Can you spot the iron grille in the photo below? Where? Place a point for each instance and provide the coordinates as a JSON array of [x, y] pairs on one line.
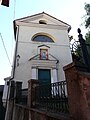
[[52, 97]]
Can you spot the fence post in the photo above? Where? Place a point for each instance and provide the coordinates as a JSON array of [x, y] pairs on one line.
[[18, 91], [78, 88], [31, 92], [31, 95]]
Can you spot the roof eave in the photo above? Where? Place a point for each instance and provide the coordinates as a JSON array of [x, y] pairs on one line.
[[69, 28]]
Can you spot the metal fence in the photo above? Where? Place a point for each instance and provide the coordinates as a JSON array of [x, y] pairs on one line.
[[52, 97], [81, 57]]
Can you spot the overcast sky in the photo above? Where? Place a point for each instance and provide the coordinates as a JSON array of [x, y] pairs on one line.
[[69, 11]]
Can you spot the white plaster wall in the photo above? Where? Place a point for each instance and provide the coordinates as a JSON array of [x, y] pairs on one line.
[[26, 33], [23, 73], [27, 49]]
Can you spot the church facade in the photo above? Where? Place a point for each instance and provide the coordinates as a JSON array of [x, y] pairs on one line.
[[42, 49]]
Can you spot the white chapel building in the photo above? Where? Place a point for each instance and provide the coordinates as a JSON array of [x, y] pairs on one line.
[[42, 49]]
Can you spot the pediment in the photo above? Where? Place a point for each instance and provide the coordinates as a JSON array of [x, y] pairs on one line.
[[44, 17], [43, 46], [51, 58]]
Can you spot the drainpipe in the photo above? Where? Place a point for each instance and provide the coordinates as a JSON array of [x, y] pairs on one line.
[[16, 33]]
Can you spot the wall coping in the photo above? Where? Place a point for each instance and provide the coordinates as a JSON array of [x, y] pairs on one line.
[[73, 65], [69, 66]]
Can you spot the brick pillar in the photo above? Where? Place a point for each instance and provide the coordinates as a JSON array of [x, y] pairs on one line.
[[17, 97], [78, 87], [18, 92], [31, 95], [31, 92]]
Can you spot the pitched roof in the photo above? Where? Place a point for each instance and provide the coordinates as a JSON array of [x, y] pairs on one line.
[[43, 13], [35, 16]]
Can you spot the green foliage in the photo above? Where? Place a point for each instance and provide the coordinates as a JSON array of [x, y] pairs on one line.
[[77, 53], [87, 37], [87, 21]]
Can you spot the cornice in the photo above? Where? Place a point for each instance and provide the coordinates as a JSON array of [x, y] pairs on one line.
[[48, 26]]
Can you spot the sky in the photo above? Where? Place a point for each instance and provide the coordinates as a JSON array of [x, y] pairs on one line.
[[69, 11]]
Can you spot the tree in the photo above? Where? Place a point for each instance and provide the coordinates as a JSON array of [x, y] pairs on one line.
[[77, 53], [87, 20], [87, 37]]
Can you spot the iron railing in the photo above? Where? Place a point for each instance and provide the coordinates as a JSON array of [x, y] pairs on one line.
[[52, 97], [78, 57]]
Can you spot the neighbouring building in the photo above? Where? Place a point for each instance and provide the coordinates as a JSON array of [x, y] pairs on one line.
[[42, 49], [2, 109], [1, 93], [5, 91]]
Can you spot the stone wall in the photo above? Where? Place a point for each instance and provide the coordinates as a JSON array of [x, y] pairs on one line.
[[25, 113], [37, 114], [78, 87], [20, 112]]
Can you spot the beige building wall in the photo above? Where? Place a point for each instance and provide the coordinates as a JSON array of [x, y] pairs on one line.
[[28, 48]]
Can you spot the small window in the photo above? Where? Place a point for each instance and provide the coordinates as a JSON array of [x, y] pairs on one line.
[[42, 22]]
